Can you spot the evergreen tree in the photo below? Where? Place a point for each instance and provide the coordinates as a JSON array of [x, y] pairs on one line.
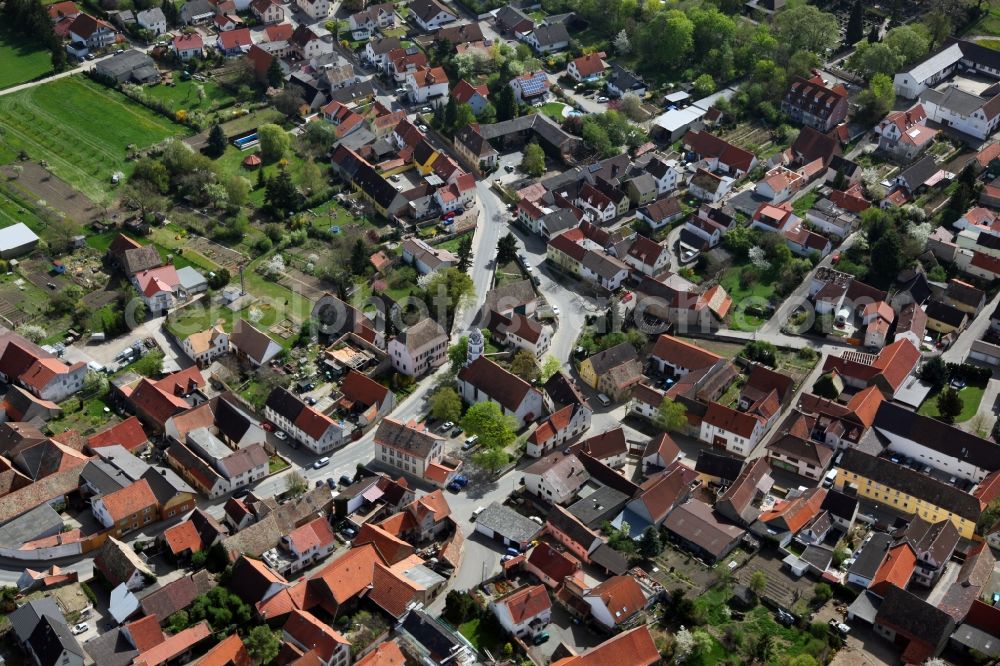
[[949, 405], [450, 114], [281, 196], [506, 249], [359, 258], [650, 544], [464, 252], [275, 77], [856, 24], [506, 104], [216, 145]]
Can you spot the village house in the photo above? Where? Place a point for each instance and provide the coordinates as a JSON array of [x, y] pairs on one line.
[[314, 430], [613, 371], [481, 379], [811, 102]]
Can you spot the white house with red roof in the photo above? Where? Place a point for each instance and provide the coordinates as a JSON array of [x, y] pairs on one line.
[[189, 46], [718, 154], [779, 184], [735, 431], [615, 601], [269, 11], [314, 9], [475, 96], [309, 635], [456, 195], [525, 611], [60, 10], [302, 547], [563, 426], [647, 256], [595, 204], [483, 380], [314, 430], [91, 31], [234, 42], [905, 134], [344, 120], [776, 219], [588, 67], [160, 288], [427, 84]]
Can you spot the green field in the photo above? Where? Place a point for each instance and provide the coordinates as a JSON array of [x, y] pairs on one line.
[[971, 397], [81, 129], [184, 95], [761, 290], [989, 24], [21, 60]]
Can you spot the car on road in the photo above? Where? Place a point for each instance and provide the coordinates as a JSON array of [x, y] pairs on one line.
[[280, 434], [513, 552], [330, 483], [240, 493], [310, 401], [509, 168], [426, 109], [80, 628], [322, 462], [422, 128], [555, 310], [400, 91], [266, 426], [447, 425], [536, 519], [461, 480], [348, 532], [603, 399]]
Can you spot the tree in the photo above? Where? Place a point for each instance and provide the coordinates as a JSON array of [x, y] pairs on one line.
[[280, 194], [855, 24], [449, 288], [289, 101], [760, 352], [909, 42], [275, 75], [550, 366], [464, 252], [359, 258], [825, 387], [487, 420], [219, 279], [949, 405], [450, 114], [631, 105], [446, 404], [671, 416], [458, 353], [822, 593], [310, 178], [704, 85], [217, 142], [806, 28], [671, 27], [262, 644], [525, 365], [887, 256], [650, 544], [757, 582], [460, 607], [533, 161], [237, 189], [506, 249], [870, 59], [491, 458], [274, 142], [223, 610], [154, 172], [622, 44], [464, 116], [295, 484], [506, 104], [935, 371], [938, 25]]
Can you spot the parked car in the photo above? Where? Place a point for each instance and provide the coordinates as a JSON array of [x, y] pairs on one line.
[[461, 480], [603, 399], [266, 426], [453, 487], [280, 434], [80, 628], [540, 638], [345, 480], [470, 443], [457, 431], [447, 425], [330, 483], [348, 532], [240, 493], [513, 552], [322, 462], [479, 510], [840, 627], [602, 99]]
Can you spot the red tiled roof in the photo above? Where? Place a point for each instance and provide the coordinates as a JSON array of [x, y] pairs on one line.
[[896, 569], [146, 633], [230, 652], [679, 353], [730, 420], [798, 511], [348, 575], [235, 38], [359, 388], [865, 403], [526, 603], [391, 592], [896, 361], [385, 654], [190, 41], [129, 500], [182, 537], [306, 629], [314, 534], [128, 433], [174, 646], [389, 546], [590, 64], [555, 564], [622, 596], [312, 423], [465, 91], [630, 648]]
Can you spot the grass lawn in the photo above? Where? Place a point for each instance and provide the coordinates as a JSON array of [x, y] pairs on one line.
[[553, 110], [21, 59], [276, 464], [81, 129], [480, 635], [971, 397], [15, 208], [804, 203], [452, 245], [184, 95], [761, 291], [990, 43], [989, 24]]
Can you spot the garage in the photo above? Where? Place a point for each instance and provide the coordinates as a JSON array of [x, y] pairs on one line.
[[506, 526]]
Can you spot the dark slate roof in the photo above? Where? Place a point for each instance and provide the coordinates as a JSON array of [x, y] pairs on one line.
[[921, 486], [602, 504], [840, 505], [285, 404], [870, 555], [112, 648], [945, 313], [507, 523], [27, 616], [716, 464], [919, 172], [938, 436], [567, 523], [610, 559], [913, 616], [50, 639]]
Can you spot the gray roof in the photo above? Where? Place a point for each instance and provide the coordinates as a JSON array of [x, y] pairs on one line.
[[25, 618], [976, 639], [119, 457], [613, 357], [870, 555], [50, 639], [154, 15], [190, 278], [421, 333], [124, 63], [600, 505], [547, 35], [919, 173], [111, 648], [937, 436], [16, 235], [936, 62], [104, 478], [541, 124], [41, 521], [506, 522], [400, 436]]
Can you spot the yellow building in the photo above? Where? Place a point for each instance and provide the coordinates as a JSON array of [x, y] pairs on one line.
[[613, 371], [908, 491], [564, 250]]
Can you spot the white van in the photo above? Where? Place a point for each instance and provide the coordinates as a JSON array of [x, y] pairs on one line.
[[322, 462], [830, 478], [479, 510], [603, 399]]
